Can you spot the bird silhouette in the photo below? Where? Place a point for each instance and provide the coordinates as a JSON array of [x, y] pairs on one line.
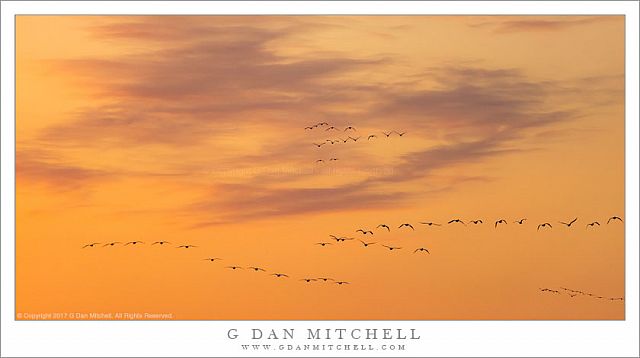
[[400, 134], [421, 249], [430, 223], [365, 232], [366, 244], [323, 124], [549, 290], [279, 275], [501, 221], [593, 224], [256, 269], [391, 248], [320, 161], [569, 223], [349, 127], [342, 282], [476, 222], [372, 136], [407, 225], [325, 279], [339, 239], [186, 246], [91, 245], [387, 134], [161, 242], [521, 221], [308, 279], [133, 243], [614, 218], [330, 128], [309, 128], [319, 144], [212, 259], [544, 225], [384, 226], [333, 159], [457, 221], [353, 139], [111, 243], [234, 267], [323, 243]]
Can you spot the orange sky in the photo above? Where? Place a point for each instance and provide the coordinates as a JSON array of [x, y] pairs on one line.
[[190, 130]]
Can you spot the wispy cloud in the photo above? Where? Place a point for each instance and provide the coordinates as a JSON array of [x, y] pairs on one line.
[[535, 24], [196, 96]]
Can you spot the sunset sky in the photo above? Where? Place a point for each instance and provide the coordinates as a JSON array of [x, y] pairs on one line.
[[191, 130]]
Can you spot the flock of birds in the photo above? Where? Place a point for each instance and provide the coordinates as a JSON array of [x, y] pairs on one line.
[[349, 129], [214, 259], [365, 232], [574, 293]]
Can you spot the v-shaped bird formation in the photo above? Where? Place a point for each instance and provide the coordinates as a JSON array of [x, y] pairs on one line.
[[363, 232]]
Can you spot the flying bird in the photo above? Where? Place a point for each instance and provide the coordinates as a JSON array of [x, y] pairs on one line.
[[501, 221], [476, 222], [372, 136], [353, 139], [323, 243], [593, 224], [308, 279], [457, 221], [549, 290], [400, 134], [308, 128], [325, 279], [569, 223], [338, 239], [521, 221], [364, 232], [544, 225], [320, 160], [366, 244], [111, 243], [349, 127], [391, 248], [407, 225], [90, 245], [430, 223], [319, 144], [614, 218], [256, 269], [342, 282], [421, 249], [333, 159], [330, 128], [279, 275], [387, 134], [323, 124], [384, 226], [234, 267], [186, 246], [212, 259], [161, 242], [133, 243]]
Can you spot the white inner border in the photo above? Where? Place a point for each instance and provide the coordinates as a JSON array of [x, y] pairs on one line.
[[208, 338]]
